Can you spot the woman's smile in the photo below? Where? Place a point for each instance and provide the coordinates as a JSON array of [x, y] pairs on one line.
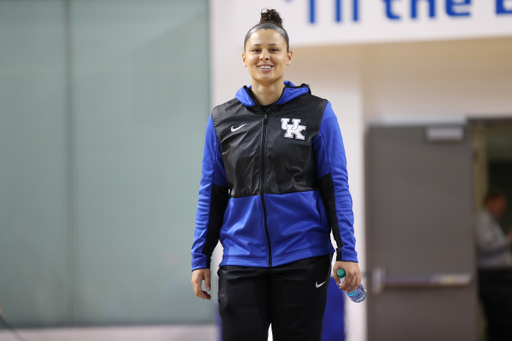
[[266, 68]]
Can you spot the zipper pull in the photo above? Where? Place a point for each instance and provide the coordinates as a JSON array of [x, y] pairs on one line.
[[265, 119]]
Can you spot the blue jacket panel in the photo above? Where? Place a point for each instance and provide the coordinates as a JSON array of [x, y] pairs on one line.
[[298, 226]]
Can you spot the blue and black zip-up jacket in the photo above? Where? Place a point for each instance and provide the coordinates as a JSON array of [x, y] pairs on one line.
[[274, 183]]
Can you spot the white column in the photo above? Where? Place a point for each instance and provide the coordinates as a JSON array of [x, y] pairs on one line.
[[333, 73]]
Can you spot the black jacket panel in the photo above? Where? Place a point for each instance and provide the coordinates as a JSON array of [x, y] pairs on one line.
[[252, 144]]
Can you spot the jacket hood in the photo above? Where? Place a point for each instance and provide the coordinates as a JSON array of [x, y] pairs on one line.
[[290, 92]]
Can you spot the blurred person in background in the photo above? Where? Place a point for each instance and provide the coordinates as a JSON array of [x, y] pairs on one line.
[[273, 187], [495, 266]]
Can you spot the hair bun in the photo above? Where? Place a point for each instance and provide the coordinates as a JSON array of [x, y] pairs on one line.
[[270, 19], [271, 16]]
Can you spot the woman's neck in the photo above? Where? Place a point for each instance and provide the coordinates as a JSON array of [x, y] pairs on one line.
[[267, 94]]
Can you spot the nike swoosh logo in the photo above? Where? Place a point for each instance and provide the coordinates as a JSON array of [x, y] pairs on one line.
[[235, 129], [319, 285]]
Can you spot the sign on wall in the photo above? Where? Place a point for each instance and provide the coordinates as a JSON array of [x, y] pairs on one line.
[[312, 22]]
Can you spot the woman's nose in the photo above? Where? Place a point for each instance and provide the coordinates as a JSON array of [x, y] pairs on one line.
[[264, 56]]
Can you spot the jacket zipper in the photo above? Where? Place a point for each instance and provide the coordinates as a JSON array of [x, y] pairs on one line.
[[262, 167], [262, 185]]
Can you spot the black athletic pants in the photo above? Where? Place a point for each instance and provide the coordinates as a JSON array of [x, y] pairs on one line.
[[291, 297], [495, 289]]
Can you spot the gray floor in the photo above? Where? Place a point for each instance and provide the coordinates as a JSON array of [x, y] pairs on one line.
[[158, 333]]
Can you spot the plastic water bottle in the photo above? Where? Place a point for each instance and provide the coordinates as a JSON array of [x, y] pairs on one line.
[[357, 295]]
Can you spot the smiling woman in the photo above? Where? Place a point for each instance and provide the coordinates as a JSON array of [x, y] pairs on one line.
[[267, 53], [274, 186], [266, 57]]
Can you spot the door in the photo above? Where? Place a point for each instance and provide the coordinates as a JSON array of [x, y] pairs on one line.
[[420, 234]]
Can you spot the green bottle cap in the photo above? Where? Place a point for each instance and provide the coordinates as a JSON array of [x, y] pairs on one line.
[[340, 273]]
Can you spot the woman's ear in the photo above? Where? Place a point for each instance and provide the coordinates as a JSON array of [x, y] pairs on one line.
[[289, 61], [243, 60]]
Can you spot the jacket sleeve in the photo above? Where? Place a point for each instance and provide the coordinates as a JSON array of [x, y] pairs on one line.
[[213, 200], [333, 182]]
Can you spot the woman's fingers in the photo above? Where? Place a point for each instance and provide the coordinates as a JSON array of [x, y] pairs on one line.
[[198, 276], [350, 283], [354, 282], [352, 275], [207, 283]]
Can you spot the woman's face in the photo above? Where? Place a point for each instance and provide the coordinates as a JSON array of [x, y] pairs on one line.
[[266, 56]]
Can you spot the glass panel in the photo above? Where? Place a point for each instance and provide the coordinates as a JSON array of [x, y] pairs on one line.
[[141, 103], [34, 267]]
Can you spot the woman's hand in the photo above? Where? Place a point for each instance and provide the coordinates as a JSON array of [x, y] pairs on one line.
[[198, 276], [352, 275]]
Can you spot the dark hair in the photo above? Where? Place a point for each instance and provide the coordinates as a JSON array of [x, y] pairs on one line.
[[494, 193], [270, 19], [271, 16]]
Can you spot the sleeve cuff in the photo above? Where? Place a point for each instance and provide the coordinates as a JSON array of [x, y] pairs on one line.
[[346, 256], [201, 262]]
